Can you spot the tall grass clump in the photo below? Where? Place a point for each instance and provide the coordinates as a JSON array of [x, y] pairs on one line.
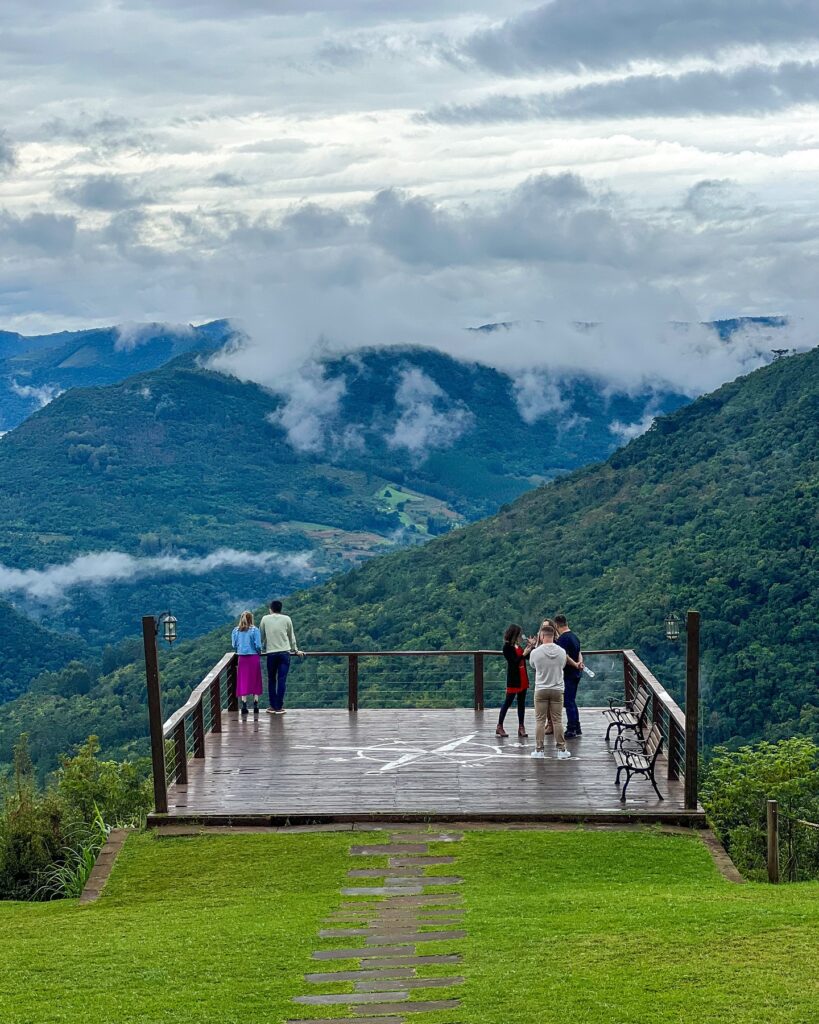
[[50, 835]]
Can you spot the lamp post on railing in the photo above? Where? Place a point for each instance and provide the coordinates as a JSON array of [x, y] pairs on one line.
[[692, 698], [151, 625]]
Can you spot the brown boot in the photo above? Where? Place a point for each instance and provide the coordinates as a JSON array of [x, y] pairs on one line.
[[522, 732], [500, 731]]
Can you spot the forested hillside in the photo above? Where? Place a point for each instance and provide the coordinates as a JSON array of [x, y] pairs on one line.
[[33, 370], [715, 507], [182, 463]]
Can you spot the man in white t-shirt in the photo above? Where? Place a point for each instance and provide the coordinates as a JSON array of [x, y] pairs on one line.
[[548, 661]]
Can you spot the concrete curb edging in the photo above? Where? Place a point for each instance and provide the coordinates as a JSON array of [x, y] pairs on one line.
[[104, 864]]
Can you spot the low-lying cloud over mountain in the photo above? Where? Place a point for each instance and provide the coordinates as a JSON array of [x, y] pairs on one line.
[[104, 568]]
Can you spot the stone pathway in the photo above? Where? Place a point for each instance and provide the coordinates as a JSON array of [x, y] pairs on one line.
[[388, 924]]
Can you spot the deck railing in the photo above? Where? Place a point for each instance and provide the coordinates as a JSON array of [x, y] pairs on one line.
[[183, 736]]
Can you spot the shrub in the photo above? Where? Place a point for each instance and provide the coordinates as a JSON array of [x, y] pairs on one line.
[[31, 836], [50, 837], [735, 791]]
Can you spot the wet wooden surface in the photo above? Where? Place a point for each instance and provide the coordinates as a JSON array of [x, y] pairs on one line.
[[447, 763]]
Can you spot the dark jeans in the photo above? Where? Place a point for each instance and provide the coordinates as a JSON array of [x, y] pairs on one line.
[[570, 703], [278, 665], [510, 700]]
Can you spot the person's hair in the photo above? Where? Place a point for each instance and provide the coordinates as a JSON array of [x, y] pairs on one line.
[[548, 624], [513, 632], [245, 621], [550, 630], [275, 606], [560, 620]]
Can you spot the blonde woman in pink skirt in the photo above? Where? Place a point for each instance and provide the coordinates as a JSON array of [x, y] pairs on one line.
[[247, 642]]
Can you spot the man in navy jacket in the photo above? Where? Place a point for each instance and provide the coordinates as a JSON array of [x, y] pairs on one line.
[[571, 676]]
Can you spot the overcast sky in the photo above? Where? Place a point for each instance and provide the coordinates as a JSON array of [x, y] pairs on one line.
[[385, 171]]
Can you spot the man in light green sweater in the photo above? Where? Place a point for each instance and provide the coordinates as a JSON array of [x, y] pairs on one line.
[[278, 643]]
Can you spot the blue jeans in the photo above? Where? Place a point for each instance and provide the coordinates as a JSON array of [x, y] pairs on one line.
[[278, 665], [570, 703]]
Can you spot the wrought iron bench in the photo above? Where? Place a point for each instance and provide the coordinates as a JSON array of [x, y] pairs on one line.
[[631, 718], [640, 762]]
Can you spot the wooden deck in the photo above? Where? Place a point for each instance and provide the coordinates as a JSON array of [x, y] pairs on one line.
[[312, 766]]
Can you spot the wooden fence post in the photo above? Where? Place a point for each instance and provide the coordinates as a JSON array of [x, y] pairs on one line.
[[692, 703], [198, 724], [181, 752], [478, 679], [773, 841], [216, 704], [155, 714], [233, 700], [352, 682]]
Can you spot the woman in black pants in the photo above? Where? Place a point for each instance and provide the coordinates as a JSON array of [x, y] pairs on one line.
[[517, 679]]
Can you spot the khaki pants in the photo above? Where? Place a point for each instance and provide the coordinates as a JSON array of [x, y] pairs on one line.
[[549, 705]]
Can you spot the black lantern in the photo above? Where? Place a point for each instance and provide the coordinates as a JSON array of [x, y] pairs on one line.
[[672, 627], [168, 624]]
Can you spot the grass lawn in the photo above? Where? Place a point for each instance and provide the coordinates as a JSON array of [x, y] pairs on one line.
[[628, 928], [194, 930], [575, 927]]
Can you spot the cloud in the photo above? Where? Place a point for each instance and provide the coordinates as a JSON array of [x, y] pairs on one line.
[[106, 192], [626, 432], [311, 406], [428, 418], [8, 157], [52, 233], [108, 567], [42, 395], [751, 90], [132, 335], [224, 179], [566, 35], [538, 395]]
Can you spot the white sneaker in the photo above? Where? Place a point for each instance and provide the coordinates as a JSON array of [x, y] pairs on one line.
[[538, 753], [564, 755]]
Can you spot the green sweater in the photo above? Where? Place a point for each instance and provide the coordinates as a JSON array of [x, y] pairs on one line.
[[277, 634]]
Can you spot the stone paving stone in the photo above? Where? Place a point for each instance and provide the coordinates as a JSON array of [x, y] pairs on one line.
[[384, 890], [342, 933], [431, 837], [390, 872], [363, 952], [421, 1006], [399, 985], [408, 960], [410, 862], [422, 899], [387, 974], [349, 997], [378, 849], [419, 936], [350, 1020]]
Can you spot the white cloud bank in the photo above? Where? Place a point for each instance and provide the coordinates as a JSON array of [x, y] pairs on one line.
[[427, 418], [42, 395], [108, 567]]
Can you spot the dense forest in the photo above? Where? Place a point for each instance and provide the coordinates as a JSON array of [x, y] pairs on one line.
[[715, 508]]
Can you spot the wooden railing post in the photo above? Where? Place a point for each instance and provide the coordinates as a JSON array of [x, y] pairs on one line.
[[216, 703], [233, 700], [180, 752], [628, 689], [352, 682], [199, 729], [478, 679], [674, 749], [155, 714], [773, 841], [692, 704]]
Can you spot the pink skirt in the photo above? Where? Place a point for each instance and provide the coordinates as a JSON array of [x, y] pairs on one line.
[[249, 675]]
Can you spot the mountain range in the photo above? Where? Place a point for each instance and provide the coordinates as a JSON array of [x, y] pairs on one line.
[[714, 507], [187, 487]]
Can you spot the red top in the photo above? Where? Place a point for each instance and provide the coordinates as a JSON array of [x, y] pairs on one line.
[[517, 679]]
